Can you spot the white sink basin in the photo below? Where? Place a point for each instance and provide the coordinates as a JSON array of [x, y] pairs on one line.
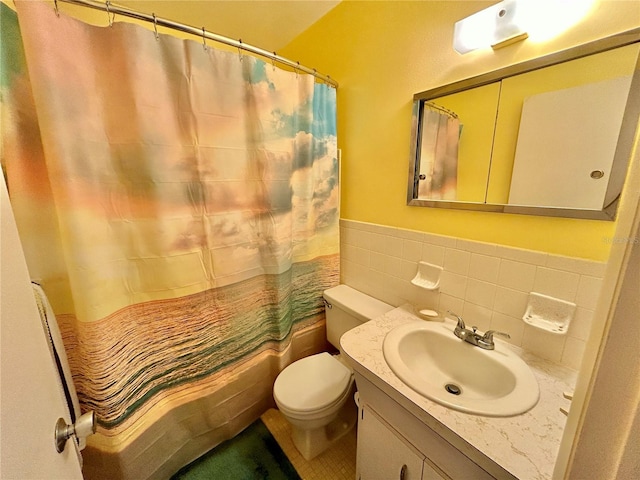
[[431, 360]]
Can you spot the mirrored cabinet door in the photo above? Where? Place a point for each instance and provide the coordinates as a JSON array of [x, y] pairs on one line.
[[476, 111], [562, 122]]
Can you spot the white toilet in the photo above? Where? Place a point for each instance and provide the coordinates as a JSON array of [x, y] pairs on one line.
[[315, 394]]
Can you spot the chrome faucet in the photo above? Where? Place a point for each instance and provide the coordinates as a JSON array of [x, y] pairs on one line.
[[471, 336]]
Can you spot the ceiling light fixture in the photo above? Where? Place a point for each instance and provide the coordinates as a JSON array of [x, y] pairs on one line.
[[497, 26]]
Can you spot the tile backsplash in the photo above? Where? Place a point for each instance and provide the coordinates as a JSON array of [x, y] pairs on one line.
[[487, 284]]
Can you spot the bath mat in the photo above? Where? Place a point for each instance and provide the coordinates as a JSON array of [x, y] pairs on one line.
[[253, 454]]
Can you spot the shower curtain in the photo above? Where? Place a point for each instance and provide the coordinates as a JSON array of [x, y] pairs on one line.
[[179, 206], [438, 155]]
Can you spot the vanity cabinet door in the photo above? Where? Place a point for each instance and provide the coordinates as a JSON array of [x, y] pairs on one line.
[[382, 454]]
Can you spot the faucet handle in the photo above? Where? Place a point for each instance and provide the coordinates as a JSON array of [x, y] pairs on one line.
[[486, 341], [461, 324], [488, 335]]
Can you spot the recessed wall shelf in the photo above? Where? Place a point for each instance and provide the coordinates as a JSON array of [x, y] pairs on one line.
[[428, 276], [549, 313]]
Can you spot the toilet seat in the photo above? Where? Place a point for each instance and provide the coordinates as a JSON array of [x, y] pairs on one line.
[[311, 384]]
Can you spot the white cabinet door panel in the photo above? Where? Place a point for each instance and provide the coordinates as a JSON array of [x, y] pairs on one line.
[[383, 454]]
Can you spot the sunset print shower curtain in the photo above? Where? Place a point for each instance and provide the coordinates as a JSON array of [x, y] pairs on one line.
[[179, 206]]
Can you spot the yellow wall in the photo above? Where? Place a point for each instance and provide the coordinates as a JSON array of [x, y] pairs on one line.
[[382, 53]]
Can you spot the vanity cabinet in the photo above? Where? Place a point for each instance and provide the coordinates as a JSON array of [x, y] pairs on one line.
[[396, 443], [384, 454]]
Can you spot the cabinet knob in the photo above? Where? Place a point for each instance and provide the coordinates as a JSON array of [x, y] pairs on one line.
[[403, 472]]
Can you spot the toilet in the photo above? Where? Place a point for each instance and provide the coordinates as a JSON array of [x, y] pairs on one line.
[[315, 393]]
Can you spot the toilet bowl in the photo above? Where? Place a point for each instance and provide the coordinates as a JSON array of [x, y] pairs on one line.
[[315, 393]]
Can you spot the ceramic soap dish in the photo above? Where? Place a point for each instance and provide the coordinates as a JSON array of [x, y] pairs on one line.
[[428, 276], [548, 313]]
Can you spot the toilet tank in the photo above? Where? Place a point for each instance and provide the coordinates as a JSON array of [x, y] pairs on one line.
[[346, 308]]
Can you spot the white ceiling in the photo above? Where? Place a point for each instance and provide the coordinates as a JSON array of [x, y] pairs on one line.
[[268, 24]]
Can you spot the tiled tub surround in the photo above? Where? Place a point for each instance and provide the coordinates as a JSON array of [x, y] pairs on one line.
[[524, 446], [487, 284]]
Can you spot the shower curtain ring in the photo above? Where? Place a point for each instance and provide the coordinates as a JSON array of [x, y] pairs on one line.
[[240, 49], [155, 25], [55, 7], [204, 40], [108, 5], [296, 69], [273, 61]]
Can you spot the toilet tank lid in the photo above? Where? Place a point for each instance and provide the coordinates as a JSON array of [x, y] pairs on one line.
[[356, 303]]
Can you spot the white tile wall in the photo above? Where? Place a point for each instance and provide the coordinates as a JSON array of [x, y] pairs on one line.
[[487, 284]]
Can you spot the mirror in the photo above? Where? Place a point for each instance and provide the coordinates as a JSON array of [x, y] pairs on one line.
[[551, 136]]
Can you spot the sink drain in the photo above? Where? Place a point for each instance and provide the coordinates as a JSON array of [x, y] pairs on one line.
[[452, 388]]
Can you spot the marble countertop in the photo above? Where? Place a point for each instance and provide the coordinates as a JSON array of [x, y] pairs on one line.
[[526, 445]]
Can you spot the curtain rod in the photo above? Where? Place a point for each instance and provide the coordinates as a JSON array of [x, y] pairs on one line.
[[446, 111], [199, 32]]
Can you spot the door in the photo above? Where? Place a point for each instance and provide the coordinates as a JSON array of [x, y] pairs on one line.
[[31, 395]]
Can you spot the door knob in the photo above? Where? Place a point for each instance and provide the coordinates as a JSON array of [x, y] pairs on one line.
[[84, 426]]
